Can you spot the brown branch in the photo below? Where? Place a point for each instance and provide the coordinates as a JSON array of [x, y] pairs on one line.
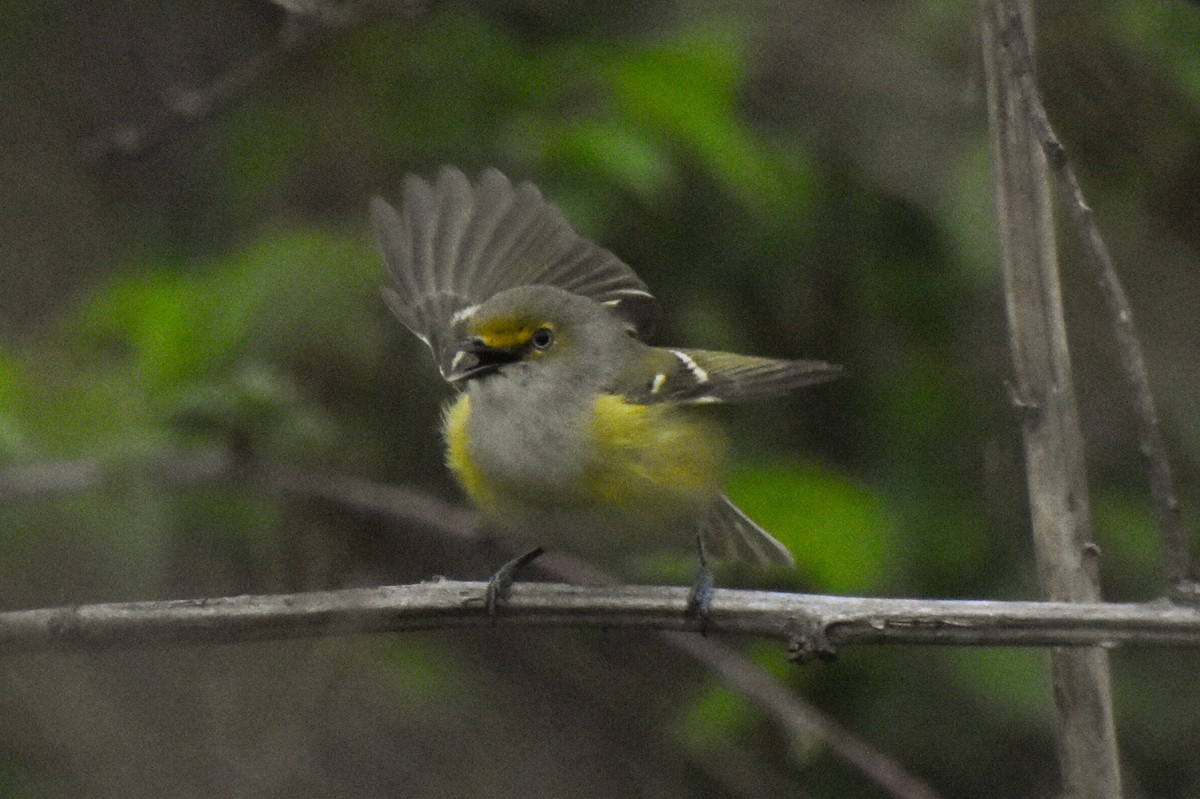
[[396, 503], [794, 716], [797, 718], [59, 478], [1055, 471], [1176, 552], [305, 22], [830, 622]]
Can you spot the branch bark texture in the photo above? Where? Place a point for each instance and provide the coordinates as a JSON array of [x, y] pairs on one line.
[[1044, 393], [1177, 557], [800, 721], [811, 625]]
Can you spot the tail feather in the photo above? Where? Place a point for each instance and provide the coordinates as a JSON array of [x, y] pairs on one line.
[[729, 534]]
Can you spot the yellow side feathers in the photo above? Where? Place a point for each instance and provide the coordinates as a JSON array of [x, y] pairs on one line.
[[458, 455], [651, 456], [657, 461]]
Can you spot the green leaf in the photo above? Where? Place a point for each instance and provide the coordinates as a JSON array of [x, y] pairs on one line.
[[614, 151], [718, 715], [685, 91]]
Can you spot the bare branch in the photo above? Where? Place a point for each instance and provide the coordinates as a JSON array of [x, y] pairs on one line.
[[1055, 471], [794, 716], [797, 718], [57, 478], [305, 23], [446, 604], [397, 503], [1176, 552]]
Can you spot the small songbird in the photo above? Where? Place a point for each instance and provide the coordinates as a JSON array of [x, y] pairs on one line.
[[568, 429]]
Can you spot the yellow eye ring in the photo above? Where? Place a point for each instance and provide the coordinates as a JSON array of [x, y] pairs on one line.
[[542, 338]]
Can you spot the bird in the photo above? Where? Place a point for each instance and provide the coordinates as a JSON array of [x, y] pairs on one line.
[[568, 428]]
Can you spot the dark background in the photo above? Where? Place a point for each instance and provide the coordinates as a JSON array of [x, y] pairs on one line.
[[803, 178]]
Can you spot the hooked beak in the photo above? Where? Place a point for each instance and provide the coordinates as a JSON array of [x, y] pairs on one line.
[[476, 359]]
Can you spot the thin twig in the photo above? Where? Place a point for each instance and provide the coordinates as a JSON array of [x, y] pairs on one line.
[[396, 503], [797, 718], [187, 108], [794, 716], [50, 479], [1177, 557], [305, 24], [445, 604]]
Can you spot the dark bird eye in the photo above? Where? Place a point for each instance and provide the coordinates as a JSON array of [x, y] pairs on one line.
[[542, 338]]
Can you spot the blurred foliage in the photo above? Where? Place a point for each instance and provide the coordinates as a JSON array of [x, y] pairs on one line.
[[807, 179], [841, 528]]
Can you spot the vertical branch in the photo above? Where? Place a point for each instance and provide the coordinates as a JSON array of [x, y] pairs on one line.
[[1177, 558], [1054, 463]]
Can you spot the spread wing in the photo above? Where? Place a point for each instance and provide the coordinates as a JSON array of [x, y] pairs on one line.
[[699, 376], [452, 245]]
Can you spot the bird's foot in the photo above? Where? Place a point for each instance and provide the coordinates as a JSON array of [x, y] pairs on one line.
[[500, 583], [700, 597]]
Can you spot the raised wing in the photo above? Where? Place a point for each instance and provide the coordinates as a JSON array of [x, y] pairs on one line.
[[699, 376], [453, 245]]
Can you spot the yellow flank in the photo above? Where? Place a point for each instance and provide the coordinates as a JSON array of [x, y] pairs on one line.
[[458, 455], [658, 459], [652, 461]]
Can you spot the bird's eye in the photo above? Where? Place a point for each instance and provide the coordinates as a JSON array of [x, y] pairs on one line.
[[542, 338]]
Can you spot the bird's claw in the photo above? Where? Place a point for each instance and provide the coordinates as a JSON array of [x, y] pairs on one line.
[[700, 597], [500, 583]]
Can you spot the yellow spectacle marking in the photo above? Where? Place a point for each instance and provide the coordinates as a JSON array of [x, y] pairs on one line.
[[507, 340], [508, 333]]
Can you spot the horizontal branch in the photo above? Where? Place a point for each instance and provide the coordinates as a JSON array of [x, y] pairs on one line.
[[799, 721], [812, 625]]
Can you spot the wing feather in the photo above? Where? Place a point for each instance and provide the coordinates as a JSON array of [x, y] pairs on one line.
[[703, 376], [453, 245]]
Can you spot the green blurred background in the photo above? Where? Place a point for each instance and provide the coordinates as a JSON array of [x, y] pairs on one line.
[[804, 178]]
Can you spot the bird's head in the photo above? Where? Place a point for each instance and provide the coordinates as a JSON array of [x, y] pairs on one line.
[[540, 328]]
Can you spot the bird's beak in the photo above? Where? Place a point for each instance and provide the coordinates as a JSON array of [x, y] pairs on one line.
[[474, 358]]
